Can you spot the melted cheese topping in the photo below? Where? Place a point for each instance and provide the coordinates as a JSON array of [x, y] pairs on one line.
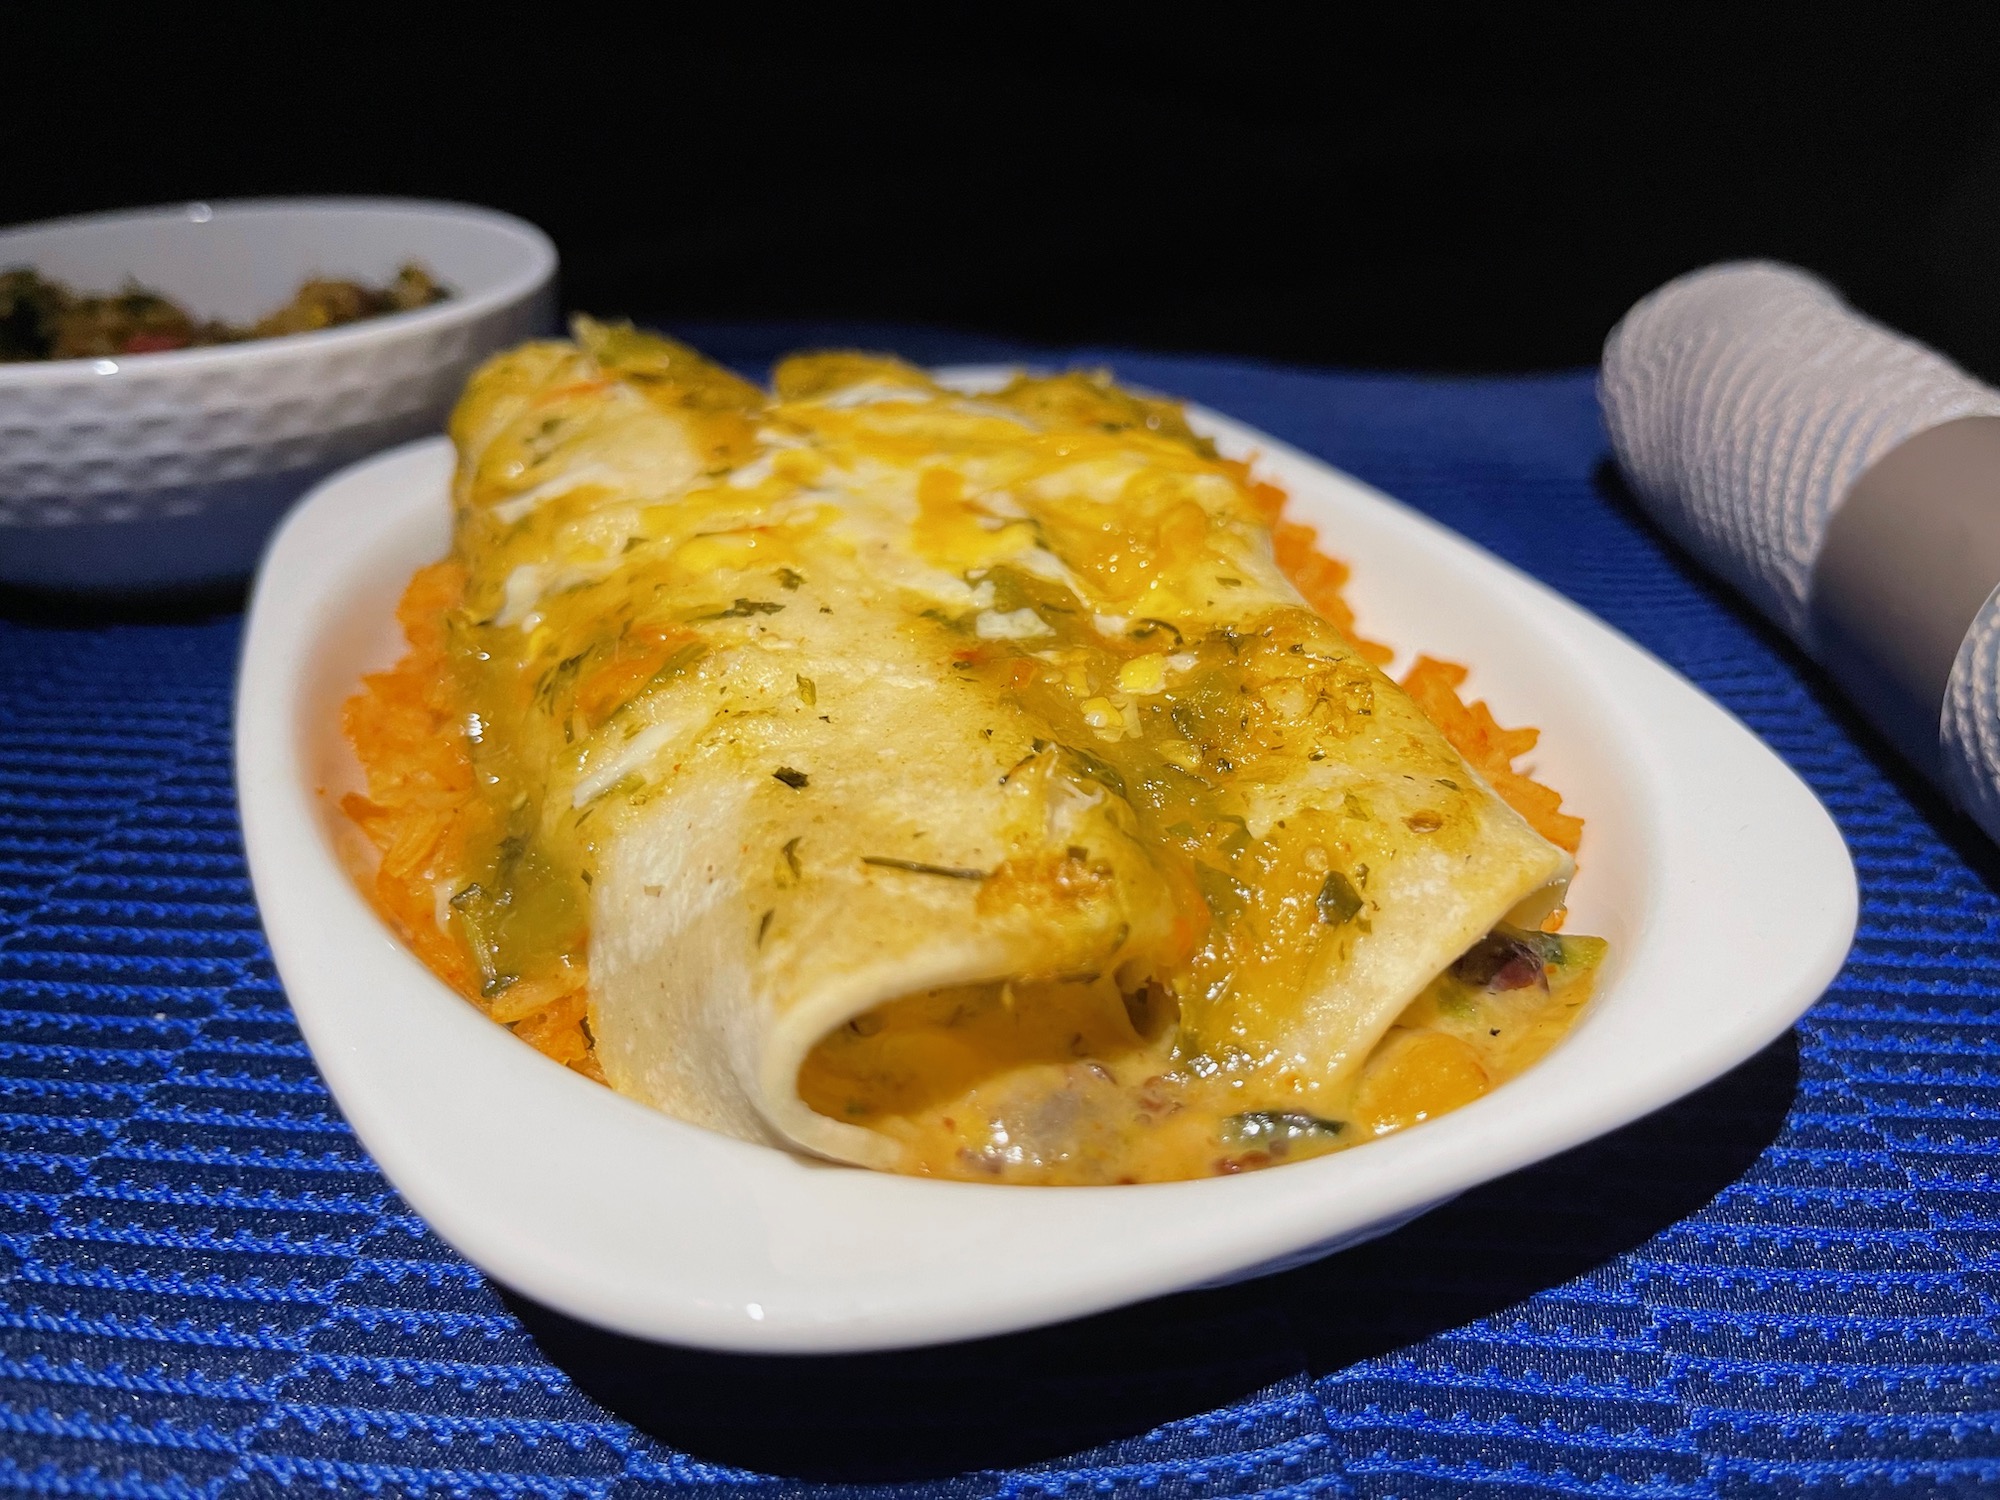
[[653, 560]]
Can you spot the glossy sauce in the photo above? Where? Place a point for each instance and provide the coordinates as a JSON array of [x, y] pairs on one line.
[[1083, 1083]]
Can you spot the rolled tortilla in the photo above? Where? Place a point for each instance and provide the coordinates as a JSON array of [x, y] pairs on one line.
[[872, 734]]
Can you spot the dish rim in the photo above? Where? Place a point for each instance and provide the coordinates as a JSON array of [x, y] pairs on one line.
[[987, 1270]]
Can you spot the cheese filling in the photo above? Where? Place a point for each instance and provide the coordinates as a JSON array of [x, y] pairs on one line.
[[1084, 1081]]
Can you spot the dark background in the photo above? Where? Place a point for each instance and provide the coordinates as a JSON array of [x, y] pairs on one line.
[[1422, 193]]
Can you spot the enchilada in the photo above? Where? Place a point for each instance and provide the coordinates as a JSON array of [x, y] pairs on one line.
[[947, 784]]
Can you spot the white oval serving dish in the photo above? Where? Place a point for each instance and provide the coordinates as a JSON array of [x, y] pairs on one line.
[[1723, 886], [167, 470]]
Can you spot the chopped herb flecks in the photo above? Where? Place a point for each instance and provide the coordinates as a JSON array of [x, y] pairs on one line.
[[1277, 1127], [742, 609], [1338, 900], [919, 867]]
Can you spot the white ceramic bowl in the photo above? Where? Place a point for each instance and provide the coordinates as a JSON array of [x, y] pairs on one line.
[[1723, 886], [166, 470]]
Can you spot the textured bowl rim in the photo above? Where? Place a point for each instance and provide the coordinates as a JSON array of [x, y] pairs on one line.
[[538, 273]]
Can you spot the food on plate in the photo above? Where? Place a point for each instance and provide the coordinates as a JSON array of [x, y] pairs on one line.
[[981, 786], [40, 318]]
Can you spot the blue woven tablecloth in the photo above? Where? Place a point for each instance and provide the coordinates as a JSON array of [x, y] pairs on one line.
[[1786, 1286]]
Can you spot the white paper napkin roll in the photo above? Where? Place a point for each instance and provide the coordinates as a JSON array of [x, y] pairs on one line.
[[1756, 416]]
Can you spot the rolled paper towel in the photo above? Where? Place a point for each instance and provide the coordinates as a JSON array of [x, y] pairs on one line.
[[1845, 478]]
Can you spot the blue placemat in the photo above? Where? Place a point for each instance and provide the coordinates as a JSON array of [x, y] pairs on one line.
[[1785, 1286]]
